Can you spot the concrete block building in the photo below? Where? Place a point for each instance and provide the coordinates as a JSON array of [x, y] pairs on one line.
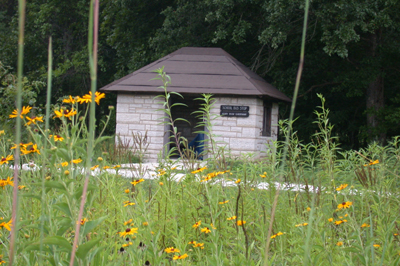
[[246, 105]]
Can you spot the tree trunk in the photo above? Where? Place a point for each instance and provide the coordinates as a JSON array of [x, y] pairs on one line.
[[375, 98]]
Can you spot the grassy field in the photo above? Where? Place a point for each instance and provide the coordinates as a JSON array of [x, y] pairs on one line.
[[347, 214]]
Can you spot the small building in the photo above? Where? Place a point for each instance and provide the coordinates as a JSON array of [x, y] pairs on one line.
[[246, 104]]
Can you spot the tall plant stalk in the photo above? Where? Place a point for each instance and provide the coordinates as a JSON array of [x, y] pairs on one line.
[[21, 26], [93, 40], [295, 93]]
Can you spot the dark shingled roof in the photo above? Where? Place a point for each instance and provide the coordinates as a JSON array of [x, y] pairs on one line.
[[198, 70]]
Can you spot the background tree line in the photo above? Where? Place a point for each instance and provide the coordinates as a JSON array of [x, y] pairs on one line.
[[352, 51]]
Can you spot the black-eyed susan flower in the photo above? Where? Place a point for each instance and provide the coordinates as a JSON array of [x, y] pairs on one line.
[[128, 203], [180, 257], [277, 234], [376, 245], [330, 219], [340, 222], [340, 243], [128, 222], [128, 231], [83, 221], [63, 164], [345, 205], [303, 224], [106, 167], [161, 183], [172, 250], [87, 98], [70, 99], [372, 162], [231, 218], [238, 181], [76, 161], [199, 170], [161, 172], [192, 243], [1, 260], [197, 224], [365, 225], [21, 187], [94, 167], [240, 223], [7, 225], [205, 230], [116, 166], [65, 113], [127, 244], [223, 202], [342, 186], [5, 160], [5, 182], [135, 182], [33, 120], [127, 191], [198, 245], [264, 175], [58, 138], [25, 110], [32, 149]]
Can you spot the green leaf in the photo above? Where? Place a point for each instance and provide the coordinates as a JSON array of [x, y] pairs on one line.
[[58, 241], [83, 249], [64, 207], [54, 184], [32, 196], [63, 153], [89, 226], [77, 195]]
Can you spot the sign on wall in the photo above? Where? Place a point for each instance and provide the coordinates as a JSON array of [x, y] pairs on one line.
[[235, 111]]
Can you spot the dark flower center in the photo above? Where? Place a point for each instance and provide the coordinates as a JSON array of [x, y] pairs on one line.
[[128, 230]]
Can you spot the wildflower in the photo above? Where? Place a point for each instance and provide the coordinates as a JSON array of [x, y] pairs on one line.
[[65, 113], [6, 159], [145, 223], [66, 172], [340, 243], [69, 100], [87, 98], [277, 234], [206, 230], [342, 186], [135, 182], [372, 162], [58, 138], [205, 178], [303, 224], [174, 168], [231, 218], [106, 167], [128, 203], [180, 257], [172, 250], [376, 245], [32, 149], [240, 223], [128, 231], [345, 205], [25, 110], [2, 132], [34, 120], [100, 159], [21, 187], [264, 175], [5, 182], [116, 166], [365, 225], [161, 183], [76, 161], [199, 170], [83, 221], [340, 222], [126, 191], [223, 202], [127, 244], [21, 145], [94, 167], [7, 225], [128, 222], [395, 234], [64, 164], [197, 224], [161, 172], [1, 259], [237, 181], [330, 219], [308, 209], [192, 243], [198, 245]]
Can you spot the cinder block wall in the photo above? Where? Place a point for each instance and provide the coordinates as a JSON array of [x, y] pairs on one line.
[[244, 134], [137, 113]]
